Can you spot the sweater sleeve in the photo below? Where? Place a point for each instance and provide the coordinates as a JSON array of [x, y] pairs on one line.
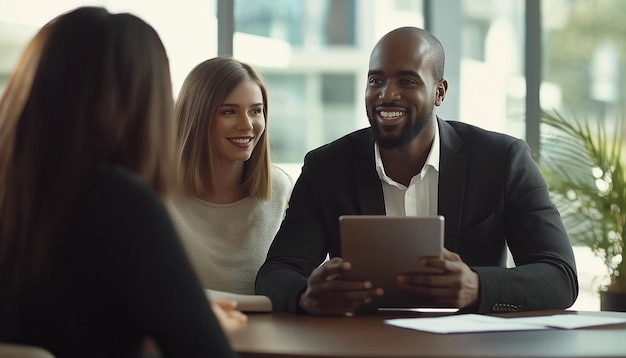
[[147, 268]]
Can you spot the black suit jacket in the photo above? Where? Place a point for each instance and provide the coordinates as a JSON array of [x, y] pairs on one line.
[[491, 194]]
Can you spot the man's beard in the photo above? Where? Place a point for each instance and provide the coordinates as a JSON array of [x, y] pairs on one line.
[[410, 131]]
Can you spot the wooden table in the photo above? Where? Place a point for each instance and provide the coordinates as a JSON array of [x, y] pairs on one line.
[[298, 336]]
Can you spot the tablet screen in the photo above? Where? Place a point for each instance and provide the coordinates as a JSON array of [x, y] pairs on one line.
[[380, 248]]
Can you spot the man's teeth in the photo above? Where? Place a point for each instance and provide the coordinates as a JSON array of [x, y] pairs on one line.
[[389, 115], [241, 140]]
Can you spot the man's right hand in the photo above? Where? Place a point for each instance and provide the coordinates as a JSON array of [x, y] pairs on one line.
[[328, 295]]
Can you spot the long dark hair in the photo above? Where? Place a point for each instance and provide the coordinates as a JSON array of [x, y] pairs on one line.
[[92, 88]]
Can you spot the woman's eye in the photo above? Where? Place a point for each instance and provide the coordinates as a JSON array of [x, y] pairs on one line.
[[256, 111], [228, 112]]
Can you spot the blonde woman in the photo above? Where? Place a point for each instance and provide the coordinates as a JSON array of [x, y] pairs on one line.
[[232, 198]]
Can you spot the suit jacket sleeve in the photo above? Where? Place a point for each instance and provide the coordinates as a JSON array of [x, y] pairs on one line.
[[544, 275]]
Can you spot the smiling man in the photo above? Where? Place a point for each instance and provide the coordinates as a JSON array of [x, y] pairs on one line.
[[412, 163]]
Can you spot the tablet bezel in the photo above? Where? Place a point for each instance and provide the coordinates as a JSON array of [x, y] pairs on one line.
[[404, 240]]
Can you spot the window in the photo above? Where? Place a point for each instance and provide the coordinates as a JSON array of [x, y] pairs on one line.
[[491, 82], [314, 56], [183, 26], [583, 76], [585, 49]]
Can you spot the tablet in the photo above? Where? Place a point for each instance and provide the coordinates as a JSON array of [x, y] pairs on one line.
[[381, 247]]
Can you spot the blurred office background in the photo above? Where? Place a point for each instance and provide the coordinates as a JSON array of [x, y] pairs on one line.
[[506, 60]]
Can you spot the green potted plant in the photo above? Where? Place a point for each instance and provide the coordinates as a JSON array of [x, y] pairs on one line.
[[582, 162]]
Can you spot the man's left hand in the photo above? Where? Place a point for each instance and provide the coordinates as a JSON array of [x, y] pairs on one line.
[[457, 286]]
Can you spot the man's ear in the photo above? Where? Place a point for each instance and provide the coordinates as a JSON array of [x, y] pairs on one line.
[[440, 94]]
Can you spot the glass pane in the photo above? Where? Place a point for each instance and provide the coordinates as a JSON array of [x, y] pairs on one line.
[[314, 55], [287, 119], [492, 83], [584, 52], [584, 56], [188, 28], [298, 22]]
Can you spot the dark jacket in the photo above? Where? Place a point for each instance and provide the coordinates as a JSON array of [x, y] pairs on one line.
[[491, 194]]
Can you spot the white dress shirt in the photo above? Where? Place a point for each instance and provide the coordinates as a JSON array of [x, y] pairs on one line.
[[420, 197]]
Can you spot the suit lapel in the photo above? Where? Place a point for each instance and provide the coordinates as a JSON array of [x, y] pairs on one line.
[[368, 186], [452, 177]]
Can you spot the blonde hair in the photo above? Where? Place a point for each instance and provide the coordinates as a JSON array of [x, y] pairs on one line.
[[204, 90]]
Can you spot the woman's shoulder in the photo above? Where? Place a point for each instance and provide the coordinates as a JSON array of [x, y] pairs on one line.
[[281, 179], [122, 181], [115, 187], [120, 207], [282, 184]]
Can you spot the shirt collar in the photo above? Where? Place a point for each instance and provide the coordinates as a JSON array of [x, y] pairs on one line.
[[431, 161]]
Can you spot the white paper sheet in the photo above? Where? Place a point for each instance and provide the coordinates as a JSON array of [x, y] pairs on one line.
[[569, 321], [245, 303], [466, 323], [461, 323]]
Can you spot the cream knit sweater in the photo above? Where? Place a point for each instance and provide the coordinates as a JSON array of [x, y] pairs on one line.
[[227, 243]]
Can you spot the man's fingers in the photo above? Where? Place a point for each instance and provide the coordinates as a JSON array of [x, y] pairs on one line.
[[449, 255], [330, 270]]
